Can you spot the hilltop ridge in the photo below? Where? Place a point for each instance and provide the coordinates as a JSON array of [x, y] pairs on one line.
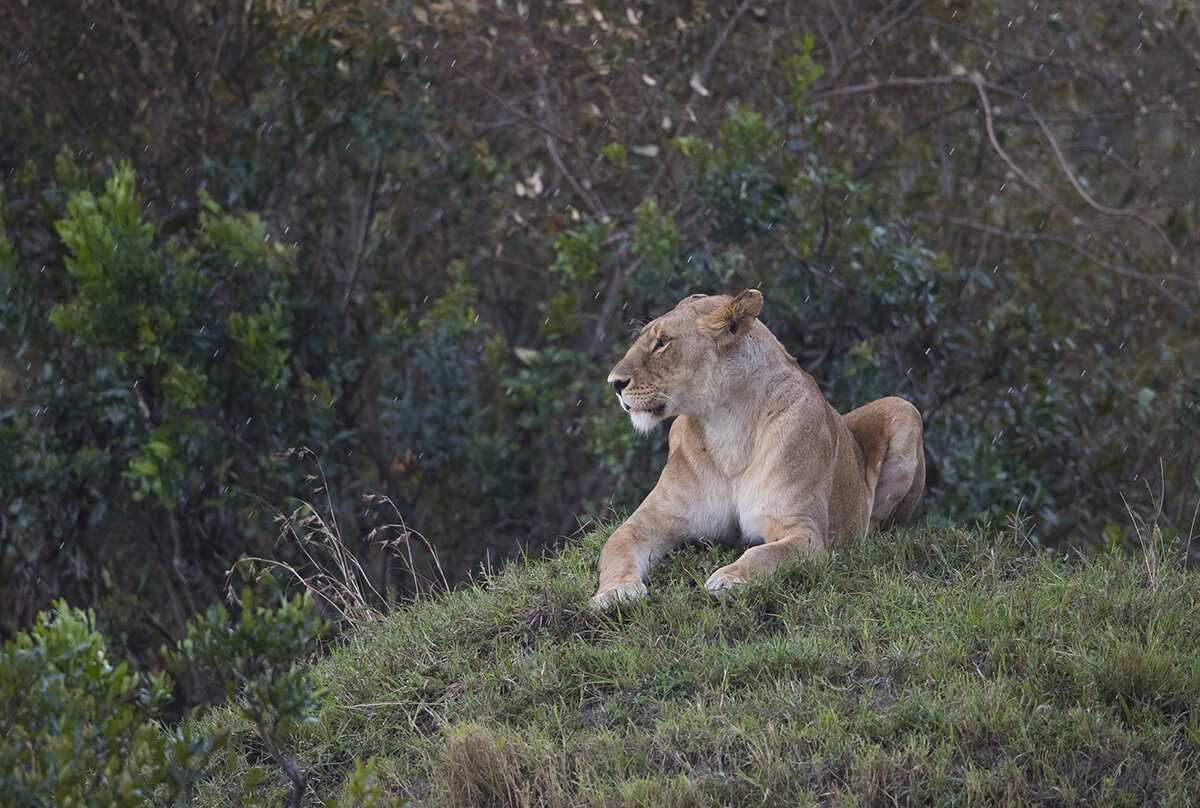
[[916, 667]]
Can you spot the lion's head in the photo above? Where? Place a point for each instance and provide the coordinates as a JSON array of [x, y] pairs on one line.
[[675, 366]]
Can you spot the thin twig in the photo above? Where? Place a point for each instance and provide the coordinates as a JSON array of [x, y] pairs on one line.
[[982, 87], [872, 35], [1153, 282], [364, 225], [1079, 189], [710, 59], [525, 116], [879, 84], [583, 190]]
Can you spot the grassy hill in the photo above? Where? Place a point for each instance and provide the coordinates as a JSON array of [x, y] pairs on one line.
[[915, 668]]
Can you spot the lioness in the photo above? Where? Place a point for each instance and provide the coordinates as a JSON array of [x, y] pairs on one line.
[[755, 446]]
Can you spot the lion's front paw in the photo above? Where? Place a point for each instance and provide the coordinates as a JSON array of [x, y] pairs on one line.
[[725, 578], [620, 593]]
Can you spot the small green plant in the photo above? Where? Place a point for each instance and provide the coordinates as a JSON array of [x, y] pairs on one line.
[[363, 788], [260, 659], [78, 730]]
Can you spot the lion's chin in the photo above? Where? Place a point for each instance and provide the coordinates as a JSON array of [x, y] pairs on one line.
[[644, 421]]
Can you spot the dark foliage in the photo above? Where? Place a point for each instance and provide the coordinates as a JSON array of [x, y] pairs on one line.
[[414, 238]]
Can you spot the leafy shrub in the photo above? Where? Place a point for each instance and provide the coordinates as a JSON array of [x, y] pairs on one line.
[[80, 731], [260, 659], [175, 369], [83, 729]]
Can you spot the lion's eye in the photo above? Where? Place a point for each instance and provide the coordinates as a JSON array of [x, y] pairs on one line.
[[659, 344]]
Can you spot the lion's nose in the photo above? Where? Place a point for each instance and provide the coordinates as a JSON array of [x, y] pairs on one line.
[[618, 384]]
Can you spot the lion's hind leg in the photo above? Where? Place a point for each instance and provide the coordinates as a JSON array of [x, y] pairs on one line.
[[890, 434]]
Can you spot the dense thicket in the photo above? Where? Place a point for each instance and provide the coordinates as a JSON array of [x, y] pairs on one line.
[[413, 238]]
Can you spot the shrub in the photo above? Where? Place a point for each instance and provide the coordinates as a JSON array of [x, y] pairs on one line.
[[81, 731]]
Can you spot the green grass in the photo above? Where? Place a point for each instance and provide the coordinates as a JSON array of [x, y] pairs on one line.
[[915, 668]]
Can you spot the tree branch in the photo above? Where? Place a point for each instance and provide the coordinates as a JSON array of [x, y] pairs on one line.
[[1153, 282], [1079, 189], [981, 88]]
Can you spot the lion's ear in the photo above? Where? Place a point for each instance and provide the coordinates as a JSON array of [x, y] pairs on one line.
[[734, 319]]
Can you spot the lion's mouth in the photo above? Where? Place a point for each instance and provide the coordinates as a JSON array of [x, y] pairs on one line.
[[656, 410]]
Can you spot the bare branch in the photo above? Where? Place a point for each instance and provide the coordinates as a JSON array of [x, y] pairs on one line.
[[525, 116], [1154, 282], [982, 87], [1079, 189]]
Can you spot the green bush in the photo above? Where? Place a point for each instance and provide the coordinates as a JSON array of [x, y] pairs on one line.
[[82, 728], [261, 660], [81, 731], [175, 369]]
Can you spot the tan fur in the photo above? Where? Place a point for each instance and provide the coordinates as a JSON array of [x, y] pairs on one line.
[[755, 448]]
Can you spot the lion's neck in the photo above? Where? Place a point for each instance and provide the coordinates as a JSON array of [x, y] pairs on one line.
[[743, 400], [728, 436]]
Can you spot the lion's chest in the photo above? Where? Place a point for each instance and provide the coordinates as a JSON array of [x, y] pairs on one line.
[[726, 507], [751, 480], [745, 499]]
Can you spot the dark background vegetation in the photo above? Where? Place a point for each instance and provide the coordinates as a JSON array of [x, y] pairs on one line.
[[414, 237]]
